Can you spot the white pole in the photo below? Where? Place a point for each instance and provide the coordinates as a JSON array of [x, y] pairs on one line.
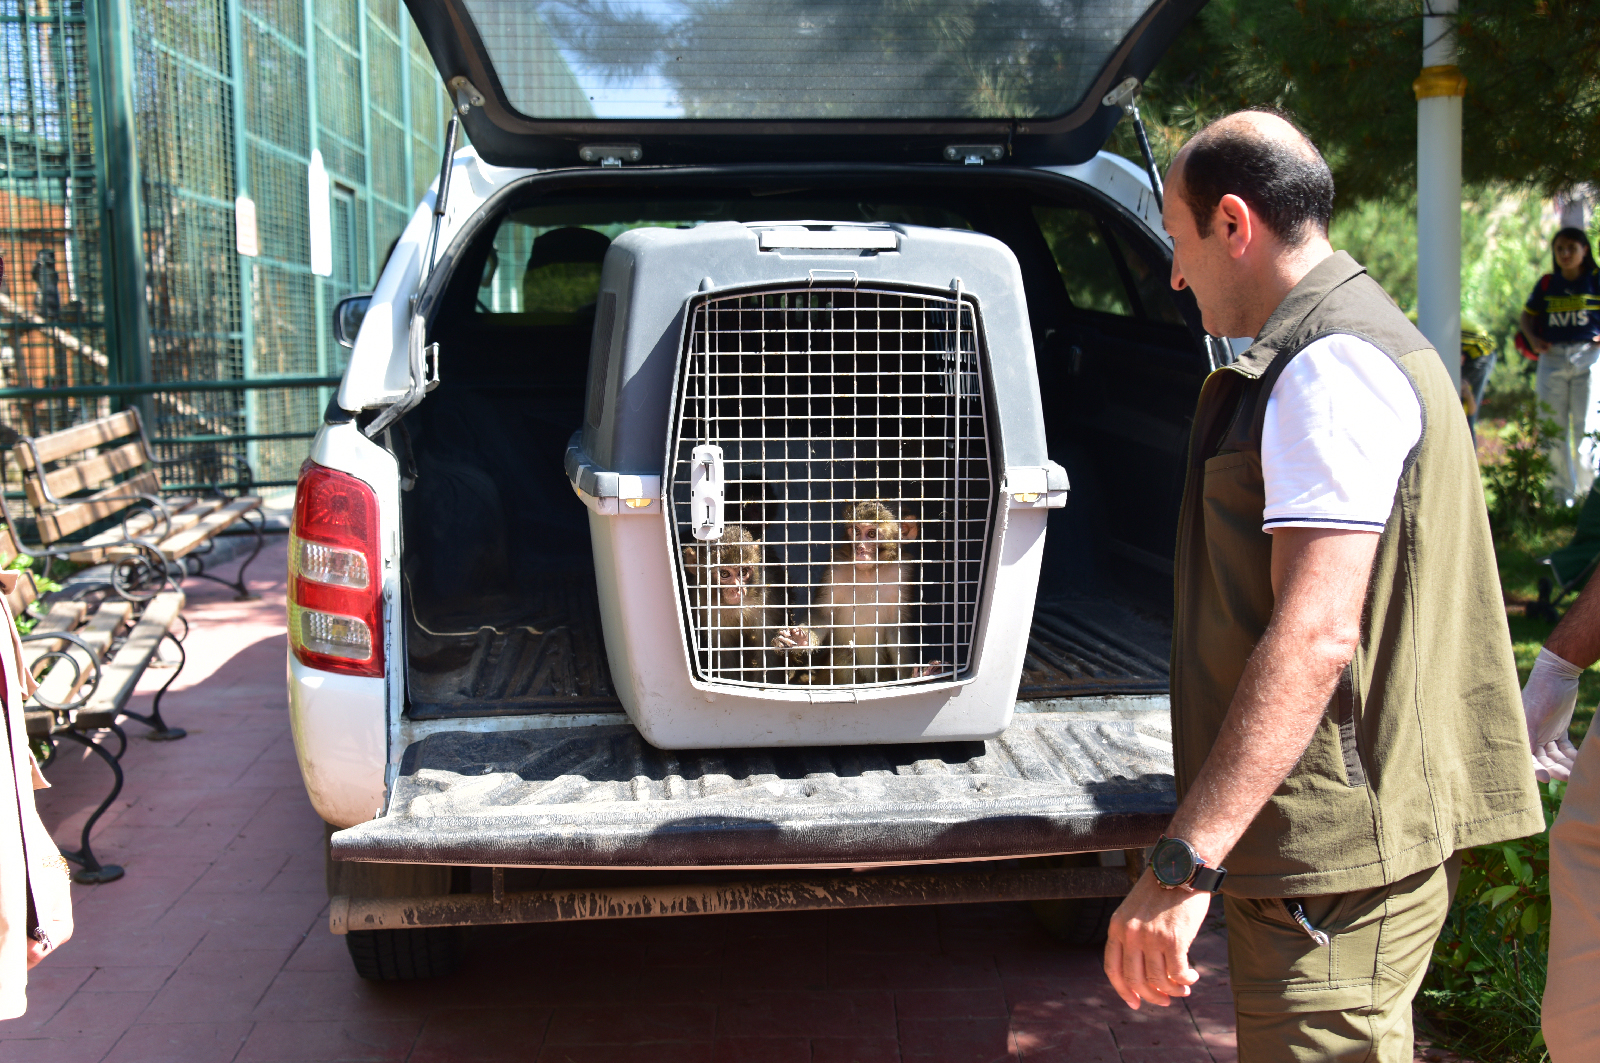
[[1439, 91]]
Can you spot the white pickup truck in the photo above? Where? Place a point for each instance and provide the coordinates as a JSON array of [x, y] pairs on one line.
[[470, 702]]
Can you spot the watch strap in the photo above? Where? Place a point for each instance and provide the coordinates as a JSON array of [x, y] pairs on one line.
[[1208, 879]]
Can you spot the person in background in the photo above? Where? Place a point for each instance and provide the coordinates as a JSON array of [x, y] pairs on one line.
[[1571, 1018], [1478, 355], [35, 882], [1561, 322]]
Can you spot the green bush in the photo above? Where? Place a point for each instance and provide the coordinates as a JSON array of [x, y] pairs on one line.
[[1483, 991], [1516, 479]]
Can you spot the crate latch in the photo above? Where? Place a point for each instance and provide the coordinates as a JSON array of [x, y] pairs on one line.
[[706, 492]]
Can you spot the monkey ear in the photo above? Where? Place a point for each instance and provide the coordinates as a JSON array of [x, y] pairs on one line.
[[908, 528], [690, 558]]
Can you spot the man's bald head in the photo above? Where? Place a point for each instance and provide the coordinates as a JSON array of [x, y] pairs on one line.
[[1265, 160]]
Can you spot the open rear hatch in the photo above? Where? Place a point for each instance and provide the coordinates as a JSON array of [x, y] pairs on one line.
[[1094, 778], [558, 82]]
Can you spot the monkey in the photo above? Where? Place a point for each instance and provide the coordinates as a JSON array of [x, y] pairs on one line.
[[860, 617], [731, 598]]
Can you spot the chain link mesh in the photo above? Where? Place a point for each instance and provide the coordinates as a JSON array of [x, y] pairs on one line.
[[209, 313]]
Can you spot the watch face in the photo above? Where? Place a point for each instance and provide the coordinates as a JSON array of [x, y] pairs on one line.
[[1172, 862]]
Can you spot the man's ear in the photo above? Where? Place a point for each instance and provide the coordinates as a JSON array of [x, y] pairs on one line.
[[1235, 223]]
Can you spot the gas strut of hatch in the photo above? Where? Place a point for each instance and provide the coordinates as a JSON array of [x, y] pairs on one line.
[[440, 199], [423, 360], [1126, 96]]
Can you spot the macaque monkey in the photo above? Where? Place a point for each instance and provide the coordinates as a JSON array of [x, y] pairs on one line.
[[860, 618], [730, 598]]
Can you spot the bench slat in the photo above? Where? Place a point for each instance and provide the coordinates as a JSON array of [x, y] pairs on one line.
[[69, 441], [84, 512], [184, 543], [86, 474], [63, 616], [60, 685], [121, 674], [183, 518]]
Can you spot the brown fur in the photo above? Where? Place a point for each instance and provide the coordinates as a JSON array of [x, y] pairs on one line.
[[738, 612], [860, 616]]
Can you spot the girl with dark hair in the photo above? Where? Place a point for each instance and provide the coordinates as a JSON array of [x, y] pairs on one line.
[[1562, 323]]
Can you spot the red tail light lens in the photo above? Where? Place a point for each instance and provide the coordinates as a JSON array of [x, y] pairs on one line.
[[335, 590]]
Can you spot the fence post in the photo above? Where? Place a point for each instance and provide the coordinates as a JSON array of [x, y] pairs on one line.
[[122, 218]]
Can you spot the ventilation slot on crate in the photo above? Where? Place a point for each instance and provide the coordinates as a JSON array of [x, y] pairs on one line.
[[812, 404]]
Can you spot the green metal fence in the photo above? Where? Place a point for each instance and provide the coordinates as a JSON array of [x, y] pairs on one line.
[[137, 137]]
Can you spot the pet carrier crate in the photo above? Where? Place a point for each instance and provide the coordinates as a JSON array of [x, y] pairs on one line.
[[814, 459]]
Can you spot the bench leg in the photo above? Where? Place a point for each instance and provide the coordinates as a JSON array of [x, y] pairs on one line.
[[159, 731], [91, 871], [240, 588]]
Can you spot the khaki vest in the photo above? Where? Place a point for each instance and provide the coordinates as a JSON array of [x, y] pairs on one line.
[[1423, 750]]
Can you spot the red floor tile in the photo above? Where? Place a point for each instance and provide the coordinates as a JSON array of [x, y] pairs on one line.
[[950, 1004], [180, 1042], [481, 1034], [631, 1024], [811, 1015], [388, 1041], [956, 1041], [855, 1050], [761, 1050]]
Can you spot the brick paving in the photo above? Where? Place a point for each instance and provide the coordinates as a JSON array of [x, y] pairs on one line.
[[215, 948]]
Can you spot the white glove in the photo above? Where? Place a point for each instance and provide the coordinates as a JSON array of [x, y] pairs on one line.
[[1547, 704]]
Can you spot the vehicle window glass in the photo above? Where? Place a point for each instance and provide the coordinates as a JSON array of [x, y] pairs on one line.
[[1087, 269], [798, 59], [1152, 283], [544, 268]]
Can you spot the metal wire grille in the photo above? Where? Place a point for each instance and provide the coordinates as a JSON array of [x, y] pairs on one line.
[[822, 400], [52, 303], [212, 119]]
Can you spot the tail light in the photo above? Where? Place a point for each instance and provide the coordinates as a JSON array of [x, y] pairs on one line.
[[335, 588]]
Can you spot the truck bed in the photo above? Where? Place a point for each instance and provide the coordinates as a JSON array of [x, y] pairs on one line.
[[1070, 776]]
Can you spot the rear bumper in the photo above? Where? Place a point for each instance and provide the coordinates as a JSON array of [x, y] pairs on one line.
[[1095, 777]]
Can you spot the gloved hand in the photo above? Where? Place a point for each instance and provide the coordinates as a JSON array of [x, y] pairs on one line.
[[1547, 704]]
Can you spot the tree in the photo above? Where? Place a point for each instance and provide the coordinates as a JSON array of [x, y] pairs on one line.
[[1343, 69]]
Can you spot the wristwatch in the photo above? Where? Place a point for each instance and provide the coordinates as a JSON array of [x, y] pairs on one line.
[[1177, 866]]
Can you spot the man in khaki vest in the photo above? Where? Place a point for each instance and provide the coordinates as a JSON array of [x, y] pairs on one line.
[[1345, 705]]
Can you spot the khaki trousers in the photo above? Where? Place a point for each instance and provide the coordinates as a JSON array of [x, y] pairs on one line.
[[1571, 1003], [1345, 1002]]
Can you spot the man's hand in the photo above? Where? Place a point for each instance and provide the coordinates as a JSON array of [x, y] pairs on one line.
[[1147, 945], [1547, 704]]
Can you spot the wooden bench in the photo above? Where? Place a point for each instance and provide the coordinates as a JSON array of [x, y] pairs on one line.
[[88, 656], [83, 476]]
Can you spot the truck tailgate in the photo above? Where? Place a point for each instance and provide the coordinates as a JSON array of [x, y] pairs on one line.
[[1084, 775]]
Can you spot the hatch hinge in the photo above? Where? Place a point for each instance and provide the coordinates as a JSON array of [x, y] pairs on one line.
[[974, 154], [611, 154], [1126, 96], [466, 94]]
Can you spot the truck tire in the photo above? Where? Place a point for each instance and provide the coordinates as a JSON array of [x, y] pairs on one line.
[[1082, 921], [403, 955], [1079, 920]]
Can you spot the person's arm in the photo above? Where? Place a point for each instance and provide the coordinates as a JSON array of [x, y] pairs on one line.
[[1551, 694], [1319, 578], [1530, 331]]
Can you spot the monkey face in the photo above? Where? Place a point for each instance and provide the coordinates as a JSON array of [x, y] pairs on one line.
[[733, 579], [867, 539]]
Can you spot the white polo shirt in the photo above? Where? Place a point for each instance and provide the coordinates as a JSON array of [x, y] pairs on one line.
[[1339, 424]]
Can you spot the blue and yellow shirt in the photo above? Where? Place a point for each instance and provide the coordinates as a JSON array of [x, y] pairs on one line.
[[1570, 309]]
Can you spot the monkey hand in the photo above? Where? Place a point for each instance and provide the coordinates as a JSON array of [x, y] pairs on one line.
[[791, 639], [923, 671]]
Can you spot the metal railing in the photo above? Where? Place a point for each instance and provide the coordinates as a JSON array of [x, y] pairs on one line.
[[197, 457]]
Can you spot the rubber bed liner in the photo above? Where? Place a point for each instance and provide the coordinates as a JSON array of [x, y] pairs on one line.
[[1084, 779]]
